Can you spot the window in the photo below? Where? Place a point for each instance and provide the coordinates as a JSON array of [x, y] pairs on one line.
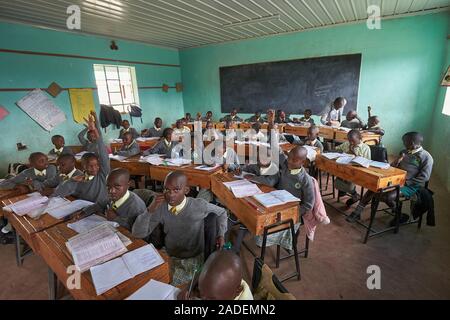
[[116, 86], [446, 109]]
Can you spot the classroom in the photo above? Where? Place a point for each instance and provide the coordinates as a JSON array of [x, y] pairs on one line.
[[224, 150]]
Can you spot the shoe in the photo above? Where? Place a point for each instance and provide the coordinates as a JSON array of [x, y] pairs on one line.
[[7, 229], [404, 218], [353, 217]]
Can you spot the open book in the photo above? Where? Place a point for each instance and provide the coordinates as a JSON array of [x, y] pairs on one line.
[[275, 198], [90, 222], [242, 188], [27, 205], [95, 246], [363, 162], [117, 157], [155, 290], [332, 155], [142, 139], [66, 209], [207, 168], [112, 273]]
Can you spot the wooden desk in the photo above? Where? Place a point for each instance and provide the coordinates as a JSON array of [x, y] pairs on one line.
[[52, 247], [366, 137], [221, 126], [133, 165], [245, 125], [143, 145], [372, 179], [296, 130], [196, 178], [326, 132], [281, 126], [6, 194], [254, 219]]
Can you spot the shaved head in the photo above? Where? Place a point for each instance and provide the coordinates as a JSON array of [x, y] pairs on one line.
[[175, 187], [118, 183], [221, 276], [297, 158], [119, 174]]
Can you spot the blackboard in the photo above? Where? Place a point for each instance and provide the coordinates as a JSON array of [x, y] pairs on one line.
[[293, 85]]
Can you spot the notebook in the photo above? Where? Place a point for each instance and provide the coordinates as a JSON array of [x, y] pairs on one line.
[[275, 198], [63, 210], [95, 246], [117, 157], [207, 168], [332, 155], [112, 273], [155, 290], [380, 165], [89, 223], [27, 205]]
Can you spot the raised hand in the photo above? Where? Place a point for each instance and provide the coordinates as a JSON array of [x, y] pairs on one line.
[[156, 203]]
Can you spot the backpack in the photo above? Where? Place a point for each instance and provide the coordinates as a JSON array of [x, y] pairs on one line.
[[135, 111]]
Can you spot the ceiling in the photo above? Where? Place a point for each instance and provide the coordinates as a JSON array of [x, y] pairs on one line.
[[191, 23]]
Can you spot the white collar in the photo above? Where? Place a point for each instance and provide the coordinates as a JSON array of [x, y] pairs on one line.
[[415, 150], [122, 200], [40, 173], [157, 129], [58, 150], [71, 173], [178, 207]]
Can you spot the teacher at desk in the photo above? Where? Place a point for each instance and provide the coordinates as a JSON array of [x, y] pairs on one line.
[[334, 114]]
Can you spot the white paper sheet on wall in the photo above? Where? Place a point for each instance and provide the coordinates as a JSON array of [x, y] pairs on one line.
[[41, 109]]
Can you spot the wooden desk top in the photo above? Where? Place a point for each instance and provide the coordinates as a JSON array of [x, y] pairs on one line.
[[133, 165], [248, 210], [196, 178], [143, 145], [326, 132], [296, 130], [370, 178], [52, 247], [367, 137]]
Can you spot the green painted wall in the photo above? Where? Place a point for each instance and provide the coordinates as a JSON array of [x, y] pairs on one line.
[[401, 65], [440, 132], [26, 71]]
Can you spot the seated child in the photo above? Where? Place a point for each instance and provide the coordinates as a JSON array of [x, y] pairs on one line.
[[164, 146], [264, 167], [293, 178], [89, 144], [181, 131], [66, 170], [59, 149], [220, 279], [188, 118], [418, 164], [123, 206], [91, 186], [156, 131], [307, 117], [373, 125], [313, 138], [255, 133], [183, 220], [127, 129], [229, 132], [352, 121], [130, 147], [282, 118], [256, 118], [232, 117], [208, 117], [356, 147], [210, 133]]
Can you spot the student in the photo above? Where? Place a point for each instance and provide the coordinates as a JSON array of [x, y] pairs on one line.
[[127, 129], [208, 117], [272, 130], [374, 126], [270, 116], [34, 178], [210, 133], [198, 117], [89, 144], [352, 121], [313, 138], [356, 147], [188, 118], [307, 117], [293, 178], [229, 132], [180, 130], [232, 117], [164, 146], [333, 115], [220, 279], [59, 149], [256, 118], [254, 133], [91, 186], [282, 118], [130, 147], [264, 167], [183, 220], [66, 170], [418, 164], [123, 206], [156, 131]]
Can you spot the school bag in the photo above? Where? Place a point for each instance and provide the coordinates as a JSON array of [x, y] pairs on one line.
[[135, 112]]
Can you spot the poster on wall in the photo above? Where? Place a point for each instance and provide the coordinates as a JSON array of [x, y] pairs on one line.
[[82, 101], [446, 80], [41, 109]]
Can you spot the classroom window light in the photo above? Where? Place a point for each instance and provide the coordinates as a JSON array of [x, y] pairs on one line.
[[116, 86]]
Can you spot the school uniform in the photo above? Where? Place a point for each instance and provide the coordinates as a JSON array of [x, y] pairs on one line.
[[59, 152], [39, 178], [331, 114], [130, 150], [205, 119], [63, 178], [92, 188], [133, 132], [155, 132], [255, 119], [353, 124], [91, 147], [316, 143], [127, 208], [280, 120], [162, 147], [257, 170], [310, 120], [418, 165], [181, 133], [231, 118]]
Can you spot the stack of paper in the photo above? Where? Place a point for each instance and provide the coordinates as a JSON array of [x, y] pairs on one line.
[[332, 155], [344, 159], [95, 246], [275, 198], [380, 165], [90, 223], [114, 272], [27, 205], [142, 139], [79, 155], [63, 210], [155, 290], [52, 203], [242, 188], [312, 153], [243, 174], [363, 162], [178, 162], [207, 168], [117, 157]]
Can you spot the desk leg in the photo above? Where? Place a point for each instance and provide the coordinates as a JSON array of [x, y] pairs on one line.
[[52, 285], [373, 212], [398, 210], [19, 258]]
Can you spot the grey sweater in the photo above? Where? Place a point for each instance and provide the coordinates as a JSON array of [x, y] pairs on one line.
[[418, 167], [89, 146], [58, 179], [131, 130], [91, 190], [130, 150], [39, 182], [66, 150], [152, 132], [184, 234], [161, 148], [299, 185], [317, 144]]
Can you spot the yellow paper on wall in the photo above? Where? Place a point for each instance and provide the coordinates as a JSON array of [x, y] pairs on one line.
[[82, 101]]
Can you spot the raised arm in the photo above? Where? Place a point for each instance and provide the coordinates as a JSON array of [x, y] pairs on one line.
[[81, 136]]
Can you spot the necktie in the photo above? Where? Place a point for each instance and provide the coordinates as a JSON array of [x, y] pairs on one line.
[[65, 177], [173, 210], [114, 207]]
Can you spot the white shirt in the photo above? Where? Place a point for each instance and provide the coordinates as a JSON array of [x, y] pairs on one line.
[[40, 173], [178, 207], [331, 114], [69, 176]]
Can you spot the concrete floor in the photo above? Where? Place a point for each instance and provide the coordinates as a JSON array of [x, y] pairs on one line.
[[414, 264]]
